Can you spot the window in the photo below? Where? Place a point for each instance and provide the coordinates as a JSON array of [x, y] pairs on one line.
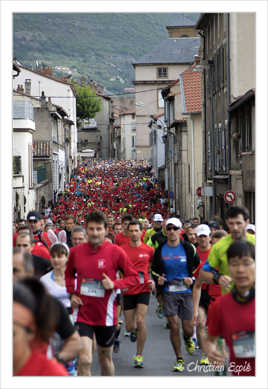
[[244, 128], [133, 140], [162, 72], [166, 110], [17, 165], [161, 101], [209, 156], [30, 161], [171, 110]]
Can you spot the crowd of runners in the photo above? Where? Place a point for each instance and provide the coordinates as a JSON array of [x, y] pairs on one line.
[[90, 265]]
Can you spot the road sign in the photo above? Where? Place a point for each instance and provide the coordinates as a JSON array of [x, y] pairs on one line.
[[229, 196]]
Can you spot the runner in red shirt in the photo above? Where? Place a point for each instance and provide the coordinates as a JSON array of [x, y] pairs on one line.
[[123, 238], [232, 316], [96, 264], [201, 294], [136, 299]]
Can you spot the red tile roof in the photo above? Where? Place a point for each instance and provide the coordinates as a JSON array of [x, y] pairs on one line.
[[192, 88]]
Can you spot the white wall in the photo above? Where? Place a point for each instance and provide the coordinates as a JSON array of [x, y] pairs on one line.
[[21, 142], [242, 53], [147, 101], [149, 72], [126, 135], [61, 94]]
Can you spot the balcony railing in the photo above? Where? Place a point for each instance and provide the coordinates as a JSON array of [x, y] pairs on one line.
[[42, 148]]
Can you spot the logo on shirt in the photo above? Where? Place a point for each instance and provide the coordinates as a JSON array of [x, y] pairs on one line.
[[143, 255], [101, 263]]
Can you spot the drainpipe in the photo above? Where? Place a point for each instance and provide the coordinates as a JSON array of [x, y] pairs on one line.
[[204, 119], [212, 149], [228, 99], [193, 169]]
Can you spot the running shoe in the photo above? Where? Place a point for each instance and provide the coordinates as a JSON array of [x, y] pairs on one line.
[[179, 365], [133, 336], [138, 360], [116, 345], [159, 312], [204, 360], [127, 333], [189, 345]]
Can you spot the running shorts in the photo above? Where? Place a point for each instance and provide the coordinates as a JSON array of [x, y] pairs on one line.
[[205, 300], [104, 335], [180, 304], [130, 301]]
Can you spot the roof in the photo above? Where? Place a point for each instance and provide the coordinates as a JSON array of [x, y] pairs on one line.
[[201, 21], [127, 113], [241, 100], [191, 90], [51, 78], [103, 95], [58, 107], [185, 20], [172, 51]]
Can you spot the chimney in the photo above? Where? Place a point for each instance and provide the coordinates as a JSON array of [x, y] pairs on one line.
[[43, 100], [28, 83], [196, 60], [20, 88]]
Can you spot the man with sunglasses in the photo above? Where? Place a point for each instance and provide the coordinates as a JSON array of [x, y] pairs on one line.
[[173, 263]]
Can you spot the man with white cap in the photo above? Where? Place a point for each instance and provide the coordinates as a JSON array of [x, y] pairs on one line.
[[174, 262], [156, 227], [251, 229]]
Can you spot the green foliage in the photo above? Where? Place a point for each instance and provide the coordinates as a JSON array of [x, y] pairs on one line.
[[100, 46], [87, 103]]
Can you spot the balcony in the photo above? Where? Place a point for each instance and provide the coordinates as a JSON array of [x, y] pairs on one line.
[[23, 116], [42, 149]]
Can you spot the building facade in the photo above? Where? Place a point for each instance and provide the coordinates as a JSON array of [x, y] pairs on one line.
[[154, 71], [228, 65], [23, 131], [61, 93]]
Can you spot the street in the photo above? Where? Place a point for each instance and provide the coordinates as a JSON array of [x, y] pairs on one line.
[[158, 354]]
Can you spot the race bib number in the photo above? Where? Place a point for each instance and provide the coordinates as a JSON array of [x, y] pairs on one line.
[[141, 275], [244, 344], [92, 288], [177, 286]]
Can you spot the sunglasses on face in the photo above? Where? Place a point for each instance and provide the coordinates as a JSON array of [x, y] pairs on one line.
[[169, 228]]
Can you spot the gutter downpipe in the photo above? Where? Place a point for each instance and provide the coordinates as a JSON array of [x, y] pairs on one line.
[[193, 169], [212, 150], [204, 120], [228, 100]]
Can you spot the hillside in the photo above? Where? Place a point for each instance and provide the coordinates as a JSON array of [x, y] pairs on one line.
[[101, 47]]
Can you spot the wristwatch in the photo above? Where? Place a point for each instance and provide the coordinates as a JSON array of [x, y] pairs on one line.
[[216, 277]]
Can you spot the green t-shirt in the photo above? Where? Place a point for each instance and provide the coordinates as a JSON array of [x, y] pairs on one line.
[[148, 234], [218, 254]]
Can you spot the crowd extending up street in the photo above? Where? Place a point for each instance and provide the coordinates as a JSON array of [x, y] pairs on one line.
[[91, 265]]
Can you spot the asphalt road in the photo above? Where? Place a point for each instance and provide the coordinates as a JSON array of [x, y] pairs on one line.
[[158, 354]]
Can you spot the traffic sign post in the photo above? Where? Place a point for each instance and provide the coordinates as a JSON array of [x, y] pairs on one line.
[[229, 197]]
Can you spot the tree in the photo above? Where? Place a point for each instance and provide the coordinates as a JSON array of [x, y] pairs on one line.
[[87, 102]]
